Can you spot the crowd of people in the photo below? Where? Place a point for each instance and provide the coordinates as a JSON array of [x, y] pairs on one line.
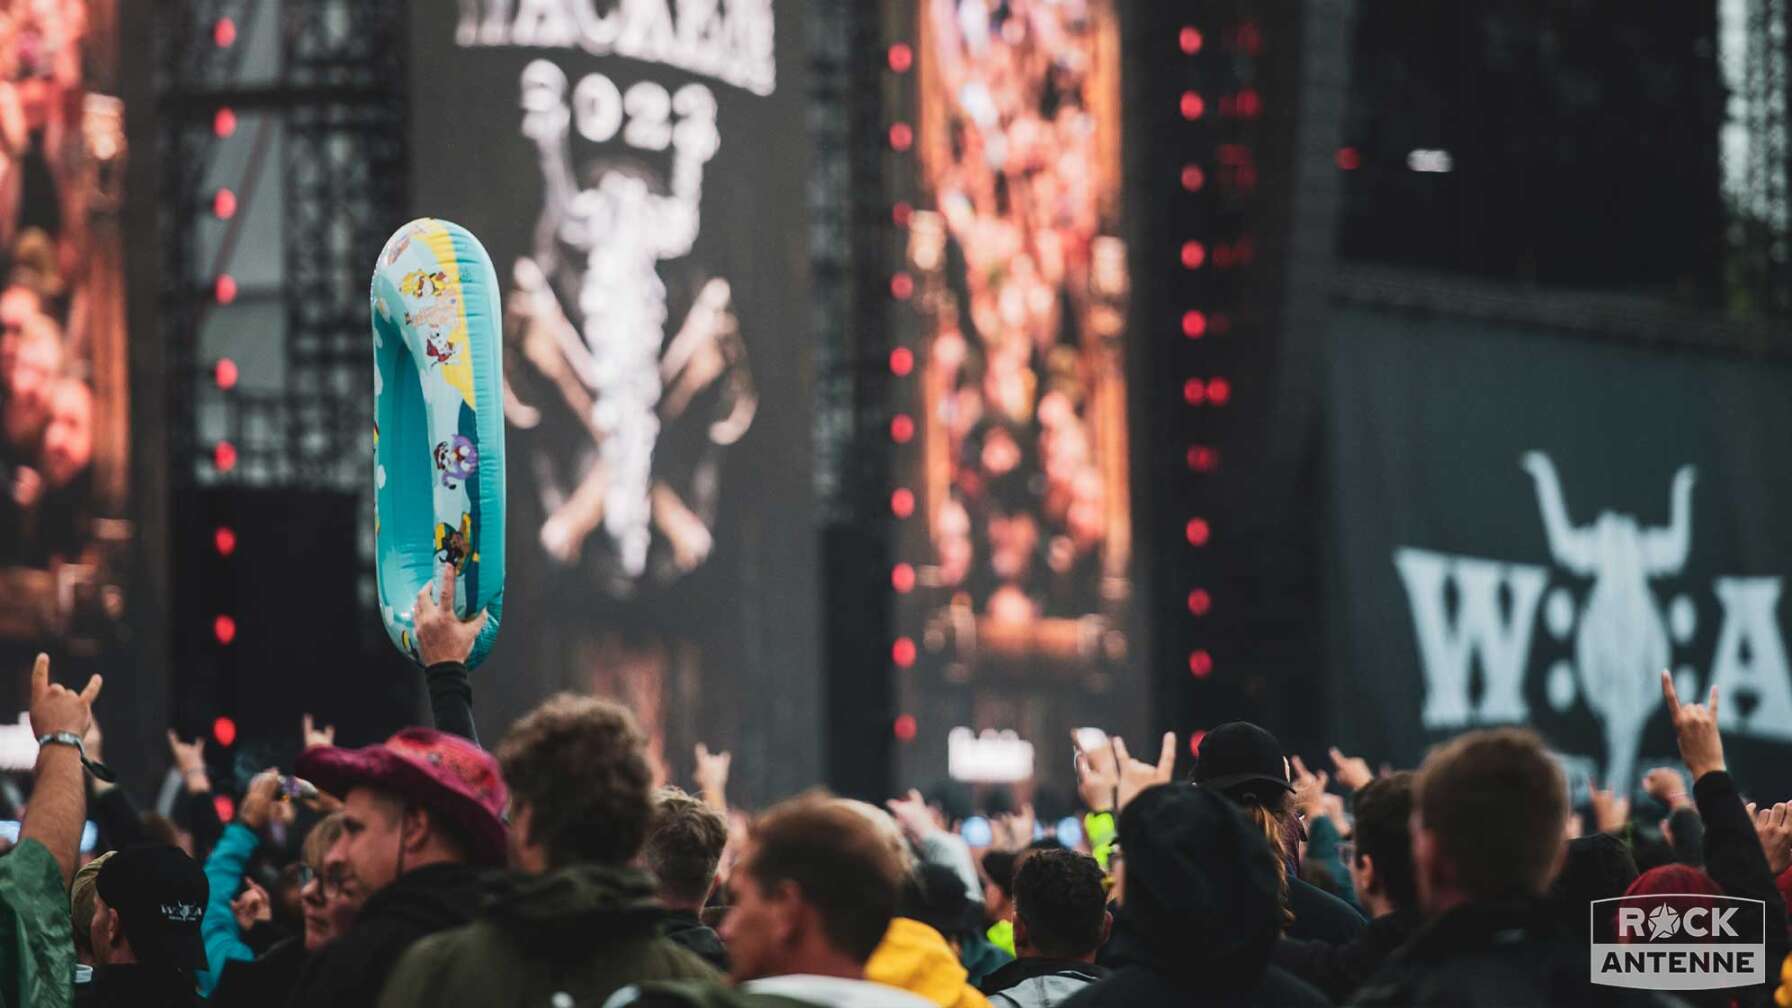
[[551, 871]]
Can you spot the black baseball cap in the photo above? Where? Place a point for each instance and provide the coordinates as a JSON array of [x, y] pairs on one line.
[[160, 895], [1240, 758]]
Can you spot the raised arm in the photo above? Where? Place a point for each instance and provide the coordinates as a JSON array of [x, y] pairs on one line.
[[58, 807], [444, 641]]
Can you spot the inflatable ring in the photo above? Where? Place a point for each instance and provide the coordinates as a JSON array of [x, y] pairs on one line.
[[438, 427]]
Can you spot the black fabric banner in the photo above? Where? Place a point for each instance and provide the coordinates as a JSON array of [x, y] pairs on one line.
[[1529, 527]]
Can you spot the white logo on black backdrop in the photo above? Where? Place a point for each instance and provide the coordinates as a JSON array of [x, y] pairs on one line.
[[1621, 635], [589, 307]]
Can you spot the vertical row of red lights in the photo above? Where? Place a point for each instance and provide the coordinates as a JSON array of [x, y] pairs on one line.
[[900, 58], [224, 375], [1196, 325]]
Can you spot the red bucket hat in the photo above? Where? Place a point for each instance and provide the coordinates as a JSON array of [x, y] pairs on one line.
[[444, 773]]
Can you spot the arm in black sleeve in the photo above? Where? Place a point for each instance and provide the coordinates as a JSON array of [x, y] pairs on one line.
[[1734, 859], [121, 825], [202, 820], [1689, 836], [451, 699]]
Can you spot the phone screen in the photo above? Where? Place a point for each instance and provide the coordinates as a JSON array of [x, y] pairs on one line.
[[976, 831]]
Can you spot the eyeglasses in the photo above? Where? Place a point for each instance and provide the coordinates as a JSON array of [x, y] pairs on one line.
[[332, 881]]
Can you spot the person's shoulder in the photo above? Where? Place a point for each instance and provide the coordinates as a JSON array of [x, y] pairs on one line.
[[30, 865], [1280, 987]]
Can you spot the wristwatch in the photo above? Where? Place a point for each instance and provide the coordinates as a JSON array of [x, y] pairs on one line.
[[68, 738]]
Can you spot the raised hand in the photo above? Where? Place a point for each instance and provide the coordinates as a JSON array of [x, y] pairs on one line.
[[1352, 772], [1610, 811], [259, 800], [712, 776], [56, 708], [1665, 785], [1309, 788], [1774, 827], [441, 635], [1137, 775], [189, 759], [1097, 775], [314, 736], [252, 907], [913, 815], [1701, 746]]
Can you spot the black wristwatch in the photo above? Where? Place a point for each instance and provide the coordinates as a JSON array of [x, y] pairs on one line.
[[68, 738]]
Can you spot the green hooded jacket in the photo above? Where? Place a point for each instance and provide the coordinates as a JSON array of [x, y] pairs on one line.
[[584, 931]]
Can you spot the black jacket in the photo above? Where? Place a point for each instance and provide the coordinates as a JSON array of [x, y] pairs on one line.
[[1143, 987], [683, 928], [1039, 981], [1735, 861], [262, 981], [350, 973], [135, 986], [1338, 970], [1493, 955], [1320, 916]]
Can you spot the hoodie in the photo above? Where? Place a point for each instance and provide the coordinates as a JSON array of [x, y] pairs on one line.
[[586, 930], [1039, 982], [1202, 912], [350, 973], [916, 958]]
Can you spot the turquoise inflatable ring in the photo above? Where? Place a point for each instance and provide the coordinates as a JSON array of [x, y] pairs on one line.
[[438, 427]]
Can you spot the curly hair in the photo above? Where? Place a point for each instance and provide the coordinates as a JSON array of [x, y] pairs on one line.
[[684, 845], [579, 764], [1061, 897]]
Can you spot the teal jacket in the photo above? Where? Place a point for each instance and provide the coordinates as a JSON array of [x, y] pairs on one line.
[[224, 873]]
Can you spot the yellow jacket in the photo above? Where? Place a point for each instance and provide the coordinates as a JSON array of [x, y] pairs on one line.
[[916, 958]]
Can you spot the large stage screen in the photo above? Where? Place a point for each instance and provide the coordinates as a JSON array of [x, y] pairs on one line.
[[637, 172], [1014, 549], [65, 528], [1522, 539]]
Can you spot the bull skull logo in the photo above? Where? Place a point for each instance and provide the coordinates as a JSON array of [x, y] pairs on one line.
[[1621, 644]]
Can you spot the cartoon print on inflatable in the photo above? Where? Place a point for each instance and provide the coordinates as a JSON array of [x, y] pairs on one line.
[[438, 430]]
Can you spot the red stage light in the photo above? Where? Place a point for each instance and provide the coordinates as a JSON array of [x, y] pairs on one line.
[[224, 537], [902, 361], [1200, 664], [903, 652], [224, 373], [224, 204], [1199, 602], [1203, 459], [225, 808], [1349, 159], [902, 502], [1194, 742], [1193, 178], [904, 728], [902, 136], [1194, 324], [224, 122], [1218, 391], [902, 578], [1194, 392], [224, 730], [1189, 39], [901, 57], [224, 456], [902, 428], [901, 213], [224, 32], [224, 288], [1193, 254], [1249, 104], [1192, 105], [1222, 256], [902, 286], [1198, 532], [224, 628]]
